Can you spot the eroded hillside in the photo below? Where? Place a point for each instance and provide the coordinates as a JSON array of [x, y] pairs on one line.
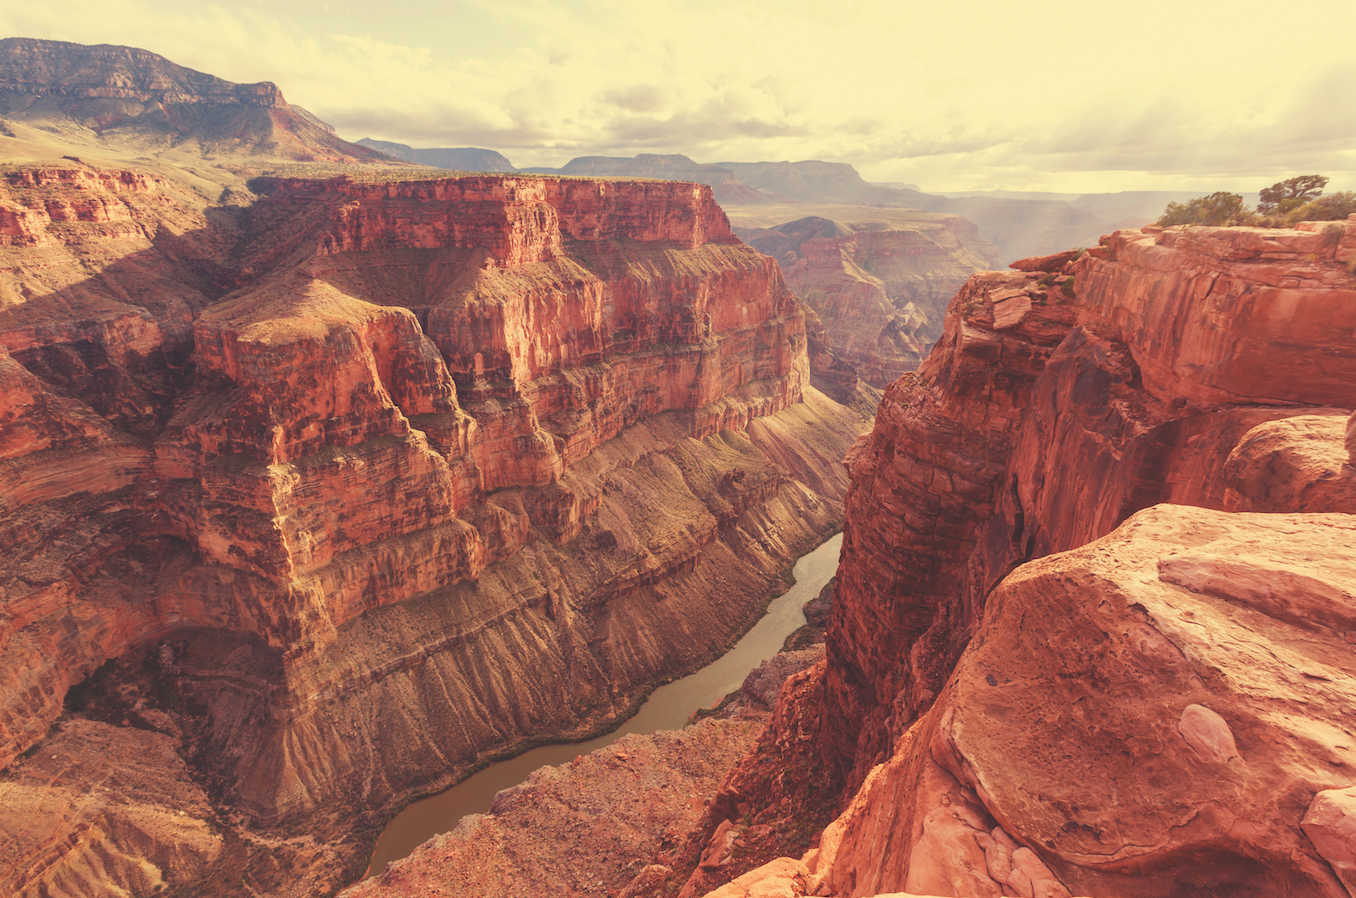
[[335, 495], [1092, 629]]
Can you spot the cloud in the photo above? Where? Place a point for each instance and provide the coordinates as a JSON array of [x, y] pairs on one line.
[[1046, 95], [640, 98]]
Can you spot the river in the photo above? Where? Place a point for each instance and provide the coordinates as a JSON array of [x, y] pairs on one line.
[[668, 708]]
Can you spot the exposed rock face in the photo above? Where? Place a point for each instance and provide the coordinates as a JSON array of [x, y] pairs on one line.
[[1115, 414], [1152, 714], [103, 810], [576, 830], [124, 92], [879, 290], [1298, 464], [401, 474], [1003, 739]]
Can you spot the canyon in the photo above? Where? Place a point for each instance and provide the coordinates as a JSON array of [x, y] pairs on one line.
[[325, 481], [1092, 631], [316, 502], [1017, 225], [878, 287], [1104, 644]]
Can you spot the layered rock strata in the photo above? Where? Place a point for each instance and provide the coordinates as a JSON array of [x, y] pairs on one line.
[[1040, 677], [103, 810], [1067, 412], [880, 289], [613, 807], [400, 474]]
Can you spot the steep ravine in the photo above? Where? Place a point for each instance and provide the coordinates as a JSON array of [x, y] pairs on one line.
[[878, 289], [1092, 631], [337, 495]]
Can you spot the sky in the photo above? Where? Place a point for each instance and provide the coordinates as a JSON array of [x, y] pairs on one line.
[[1044, 95]]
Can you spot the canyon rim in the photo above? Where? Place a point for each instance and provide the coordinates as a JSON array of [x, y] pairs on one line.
[[327, 478]]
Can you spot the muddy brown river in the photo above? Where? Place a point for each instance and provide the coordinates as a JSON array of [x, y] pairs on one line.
[[668, 708]]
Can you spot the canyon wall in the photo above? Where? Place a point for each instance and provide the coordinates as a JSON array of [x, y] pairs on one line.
[[1092, 627], [377, 479], [880, 289]]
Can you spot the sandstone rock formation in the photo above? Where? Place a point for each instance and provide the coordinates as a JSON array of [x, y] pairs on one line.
[[400, 475], [1087, 638], [879, 289], [103, 810], [1152, 714], [576, 830]]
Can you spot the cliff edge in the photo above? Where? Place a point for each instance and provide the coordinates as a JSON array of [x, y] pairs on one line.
[[339, 494], [1092, 631]]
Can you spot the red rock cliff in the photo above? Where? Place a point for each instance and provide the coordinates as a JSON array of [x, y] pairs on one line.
[[388, 476], [1152, 707]]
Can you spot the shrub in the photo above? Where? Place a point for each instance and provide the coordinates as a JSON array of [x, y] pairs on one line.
[[1333, 207], [1219, 209]]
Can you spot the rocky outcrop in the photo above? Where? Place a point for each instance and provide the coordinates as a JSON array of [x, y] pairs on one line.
[[103, 810], [880, 290], [1057, 598], [1087, 410], [613, 807], [400, 474], [1163, 653], [125, 93], [1297, 463]]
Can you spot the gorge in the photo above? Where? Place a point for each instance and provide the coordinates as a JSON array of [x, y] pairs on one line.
[[327, 480], [314, 487], [1104, 646], [1092, 630]]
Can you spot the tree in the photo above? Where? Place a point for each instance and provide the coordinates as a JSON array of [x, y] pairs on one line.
[[1292, 193], [1218, 209]]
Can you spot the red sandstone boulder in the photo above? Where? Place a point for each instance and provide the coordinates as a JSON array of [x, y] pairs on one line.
[[1155, 711], [1330, 824], [1053, 262], [1293, 464]]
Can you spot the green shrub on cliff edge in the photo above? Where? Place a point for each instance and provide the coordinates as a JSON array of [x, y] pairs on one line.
[[1283, 205], [1333, 207], [1219, 209]]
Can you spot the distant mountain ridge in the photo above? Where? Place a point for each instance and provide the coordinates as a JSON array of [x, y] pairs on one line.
[[813, 181], [130, 95], [453, 158], [667, 167], [1016, 227], [138, 100]]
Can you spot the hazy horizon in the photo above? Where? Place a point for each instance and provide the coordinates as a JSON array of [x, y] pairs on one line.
[[1056, 96]]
